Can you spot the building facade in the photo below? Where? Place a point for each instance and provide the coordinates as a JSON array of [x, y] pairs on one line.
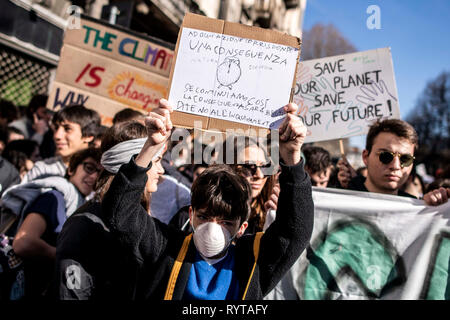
[[32, 31]]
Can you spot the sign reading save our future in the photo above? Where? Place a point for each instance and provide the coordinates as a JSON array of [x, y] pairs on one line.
[[108, 68], [341, 96]]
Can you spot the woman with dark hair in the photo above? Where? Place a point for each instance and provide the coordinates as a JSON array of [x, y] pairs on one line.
[[250, 160], [90, 264]]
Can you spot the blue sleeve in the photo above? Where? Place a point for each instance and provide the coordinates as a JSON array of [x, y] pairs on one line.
[[51, 206]]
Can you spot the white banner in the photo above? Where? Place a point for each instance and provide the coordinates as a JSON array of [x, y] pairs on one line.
[[372, 246], [340, 96]]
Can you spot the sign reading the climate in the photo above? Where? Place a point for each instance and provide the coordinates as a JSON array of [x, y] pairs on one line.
[[107, 68]]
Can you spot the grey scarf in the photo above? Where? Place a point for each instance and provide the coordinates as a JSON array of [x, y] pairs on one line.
[[122, 152]]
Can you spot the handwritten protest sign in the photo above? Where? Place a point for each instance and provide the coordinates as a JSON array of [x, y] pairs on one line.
[[109, 68], [228, 75], [340, 96]]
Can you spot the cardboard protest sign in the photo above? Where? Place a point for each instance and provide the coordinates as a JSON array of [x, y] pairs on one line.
[[231, 76], [341, 96], [108, 68]]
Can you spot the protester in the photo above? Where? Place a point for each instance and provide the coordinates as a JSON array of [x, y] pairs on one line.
[[362, 171], [42, 207], [318, 165], [86, 245], [251, 161], [173, 191], [35, 122], [22, 154], [389, 155], [74, 128], [221, 204]]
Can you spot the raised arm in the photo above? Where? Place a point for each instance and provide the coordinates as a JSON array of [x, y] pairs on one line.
[[289, 234], [121, 211]]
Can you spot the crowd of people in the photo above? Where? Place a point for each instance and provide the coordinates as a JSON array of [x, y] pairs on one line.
[[89, 212]]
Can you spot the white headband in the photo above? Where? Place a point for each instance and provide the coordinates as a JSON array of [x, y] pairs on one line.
[[122, 152]]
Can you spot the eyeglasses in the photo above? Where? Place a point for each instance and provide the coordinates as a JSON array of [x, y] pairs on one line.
[[90, 168], [251, 168], [386, 157]]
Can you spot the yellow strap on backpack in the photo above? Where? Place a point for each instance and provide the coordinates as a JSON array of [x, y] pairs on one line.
[[182, 254], [176, 268], [256, 243]]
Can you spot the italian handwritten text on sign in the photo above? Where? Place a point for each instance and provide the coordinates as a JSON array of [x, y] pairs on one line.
[[232, 78], [341, 96]]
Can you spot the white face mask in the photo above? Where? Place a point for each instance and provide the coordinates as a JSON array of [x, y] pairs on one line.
[[211, 239]]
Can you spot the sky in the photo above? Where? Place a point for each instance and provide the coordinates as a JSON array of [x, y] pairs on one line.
[[417, 31]]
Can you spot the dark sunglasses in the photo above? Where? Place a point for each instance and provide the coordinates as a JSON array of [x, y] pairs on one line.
[[386, 157], [251, 168], [89, 168]]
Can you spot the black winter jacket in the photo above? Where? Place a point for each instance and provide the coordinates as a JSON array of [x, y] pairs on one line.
[[155, 245]]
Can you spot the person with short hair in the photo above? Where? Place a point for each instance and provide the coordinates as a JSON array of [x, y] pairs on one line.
[[318, 165], [216, 261], [389, 158], [74, 129]]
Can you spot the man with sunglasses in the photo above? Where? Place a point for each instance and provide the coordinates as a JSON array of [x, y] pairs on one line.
[[389, 158]]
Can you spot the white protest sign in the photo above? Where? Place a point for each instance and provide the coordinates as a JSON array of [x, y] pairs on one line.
[[232, 78], [341, 96]]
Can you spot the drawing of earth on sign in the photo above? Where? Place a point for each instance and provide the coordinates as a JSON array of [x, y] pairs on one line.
[[228, 72]]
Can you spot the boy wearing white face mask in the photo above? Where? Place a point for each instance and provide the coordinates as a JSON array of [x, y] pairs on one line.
[[220, 263]]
